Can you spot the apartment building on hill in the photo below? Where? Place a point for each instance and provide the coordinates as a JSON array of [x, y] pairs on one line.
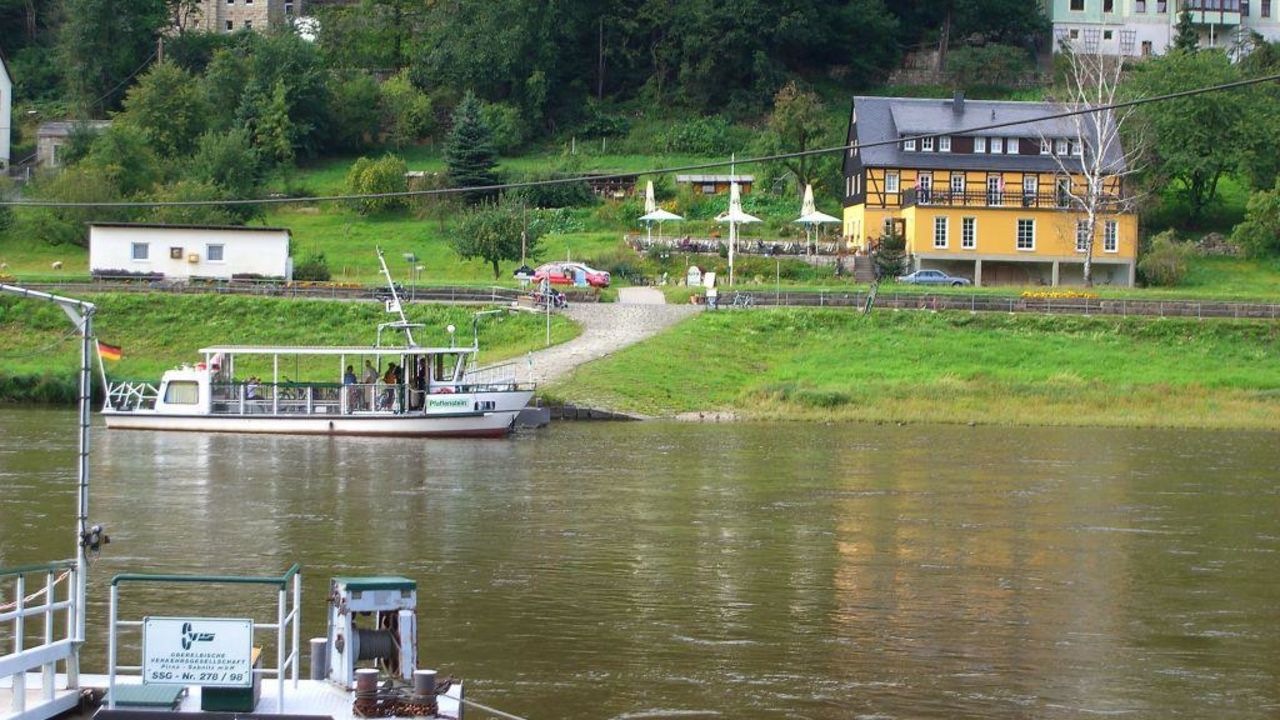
[[1147, 27], [232, 15], [993, 206]]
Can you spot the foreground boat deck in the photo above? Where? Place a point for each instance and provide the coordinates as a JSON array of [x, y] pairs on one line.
[[310, 697]]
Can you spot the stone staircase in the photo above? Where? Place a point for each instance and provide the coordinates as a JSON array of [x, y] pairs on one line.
[[864, 269]]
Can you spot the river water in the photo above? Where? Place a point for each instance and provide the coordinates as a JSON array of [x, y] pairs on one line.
[[648, 570]]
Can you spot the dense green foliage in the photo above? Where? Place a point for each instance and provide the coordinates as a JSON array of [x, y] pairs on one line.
[[1166, 262], [1259, 234]]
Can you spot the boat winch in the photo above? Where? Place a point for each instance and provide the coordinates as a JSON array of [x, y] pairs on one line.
[[372, 624]]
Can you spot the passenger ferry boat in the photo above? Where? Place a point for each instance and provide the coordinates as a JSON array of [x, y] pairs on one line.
[[438, 391]]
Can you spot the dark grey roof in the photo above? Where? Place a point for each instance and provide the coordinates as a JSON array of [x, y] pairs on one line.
[[63, 128], [163, 226], [883, 118]]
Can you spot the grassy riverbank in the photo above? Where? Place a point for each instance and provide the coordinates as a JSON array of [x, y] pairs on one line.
[[951, 368], [39, 356]]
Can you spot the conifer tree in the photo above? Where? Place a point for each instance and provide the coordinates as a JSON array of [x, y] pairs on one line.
[[468, 152], [1186, 38]]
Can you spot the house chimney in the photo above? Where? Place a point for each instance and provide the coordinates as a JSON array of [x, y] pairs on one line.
[[957, 102]]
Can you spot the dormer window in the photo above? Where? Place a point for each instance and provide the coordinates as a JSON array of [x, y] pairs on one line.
[[944, 144], [997, 145], [979, 144], [909, 145], [1060, 147], [1046, 146], [1076, 149], [926, 144]]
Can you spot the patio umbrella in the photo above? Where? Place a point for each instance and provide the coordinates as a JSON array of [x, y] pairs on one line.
[[810, 216], [735, 216], [659, 216]]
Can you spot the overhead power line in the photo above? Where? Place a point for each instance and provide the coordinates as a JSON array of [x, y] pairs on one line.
[[655, 171]]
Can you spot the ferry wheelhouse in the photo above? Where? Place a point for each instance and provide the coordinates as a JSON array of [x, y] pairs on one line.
[[435, 392]]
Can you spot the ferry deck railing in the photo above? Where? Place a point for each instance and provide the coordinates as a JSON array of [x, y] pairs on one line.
[[356, 399], [287, 625], [48, 652]]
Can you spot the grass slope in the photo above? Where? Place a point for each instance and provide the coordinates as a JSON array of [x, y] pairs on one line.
[[158, 332], [923, 367]]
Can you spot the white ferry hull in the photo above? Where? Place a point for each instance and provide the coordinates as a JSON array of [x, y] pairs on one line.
[[492, 423]]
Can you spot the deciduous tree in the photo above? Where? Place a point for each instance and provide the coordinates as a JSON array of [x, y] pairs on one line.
[[493, 234], [167, 106]]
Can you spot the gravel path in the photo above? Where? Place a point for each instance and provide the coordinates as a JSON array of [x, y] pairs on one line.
[[606, 327]]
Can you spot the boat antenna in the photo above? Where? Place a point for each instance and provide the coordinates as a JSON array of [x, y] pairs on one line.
[[393, 305]]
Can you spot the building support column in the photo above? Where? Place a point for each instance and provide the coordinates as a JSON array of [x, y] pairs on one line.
[[1054, 282], [1133, 273], [977, 272]]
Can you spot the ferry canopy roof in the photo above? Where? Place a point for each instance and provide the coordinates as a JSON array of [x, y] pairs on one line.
[[330, 350]]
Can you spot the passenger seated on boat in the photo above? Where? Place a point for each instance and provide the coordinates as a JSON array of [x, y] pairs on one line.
[[387, 399]]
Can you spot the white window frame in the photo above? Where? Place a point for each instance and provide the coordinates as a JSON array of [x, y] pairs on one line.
[[979, 145], [1060, 146], [1082, 236], [926, 144], [1011, 146], [909, 145], [957, 190], [944, 143], [1025, 222], [969, 233], [940, 232], [997, 145], [1077, 149], [146, 252], [1111, 236], [892, 182], [1046, 146], [886, 226], [222, 252]]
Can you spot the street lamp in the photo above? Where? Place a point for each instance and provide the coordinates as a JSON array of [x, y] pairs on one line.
[[451, 329], [413, 275]]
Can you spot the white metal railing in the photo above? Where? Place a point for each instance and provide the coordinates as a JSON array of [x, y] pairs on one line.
[[54, 646], [287, 626], [132, 396], [502, 376]]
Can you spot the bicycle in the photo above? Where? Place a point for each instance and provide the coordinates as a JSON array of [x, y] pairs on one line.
[[743, 300]]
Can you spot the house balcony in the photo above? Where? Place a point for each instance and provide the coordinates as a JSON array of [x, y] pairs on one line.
[[989, 199], [1216, 12]]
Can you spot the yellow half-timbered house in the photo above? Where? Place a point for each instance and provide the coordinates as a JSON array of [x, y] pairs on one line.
[[993, 206]]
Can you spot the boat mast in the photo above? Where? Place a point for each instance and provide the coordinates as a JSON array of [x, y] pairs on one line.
[[395, 297]]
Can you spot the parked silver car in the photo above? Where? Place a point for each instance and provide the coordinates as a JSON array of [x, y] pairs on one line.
[[933, 277]]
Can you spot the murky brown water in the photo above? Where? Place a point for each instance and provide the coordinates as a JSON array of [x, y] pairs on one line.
[[665, 570]]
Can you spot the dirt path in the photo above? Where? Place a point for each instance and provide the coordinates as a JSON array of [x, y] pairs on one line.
[[606, 328]]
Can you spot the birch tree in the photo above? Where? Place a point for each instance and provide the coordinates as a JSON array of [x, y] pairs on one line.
[[1099, 167]]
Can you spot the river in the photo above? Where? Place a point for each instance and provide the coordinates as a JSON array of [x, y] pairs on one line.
[[647, 570]]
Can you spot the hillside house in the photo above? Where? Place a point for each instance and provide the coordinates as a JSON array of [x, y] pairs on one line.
[[1147, 27], [52, 136], [716, 184], [224, 16], [991, 206], [184, 252]]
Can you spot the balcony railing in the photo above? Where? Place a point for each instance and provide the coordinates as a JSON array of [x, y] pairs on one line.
[[989, 198]]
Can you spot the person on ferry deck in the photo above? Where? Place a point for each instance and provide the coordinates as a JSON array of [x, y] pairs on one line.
[[389, 395], [370, 378], [353, 393]]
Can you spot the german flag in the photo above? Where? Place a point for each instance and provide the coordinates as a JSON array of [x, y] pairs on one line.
[[109, 352]]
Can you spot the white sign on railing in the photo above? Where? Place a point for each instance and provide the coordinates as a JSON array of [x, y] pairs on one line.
[[211, 652]]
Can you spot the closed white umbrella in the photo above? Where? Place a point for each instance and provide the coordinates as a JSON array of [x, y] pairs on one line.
[[649, 203], [734, 217], [810, 216]]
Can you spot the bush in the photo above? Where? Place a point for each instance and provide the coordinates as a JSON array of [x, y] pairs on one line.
[[998, 65], [407, 114], [700, 136], [353, 111], [386, 175], [1259, 234], [560, 195], [507, 125], [891, 256], [1166, 262], [315, 267]]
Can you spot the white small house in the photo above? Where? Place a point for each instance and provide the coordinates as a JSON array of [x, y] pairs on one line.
[[6, 112], [182, 252]]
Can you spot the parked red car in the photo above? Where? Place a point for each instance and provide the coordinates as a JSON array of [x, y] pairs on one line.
[[566, 273]]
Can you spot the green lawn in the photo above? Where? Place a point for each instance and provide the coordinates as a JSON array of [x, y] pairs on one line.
[[949, 367], [160, 331]]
